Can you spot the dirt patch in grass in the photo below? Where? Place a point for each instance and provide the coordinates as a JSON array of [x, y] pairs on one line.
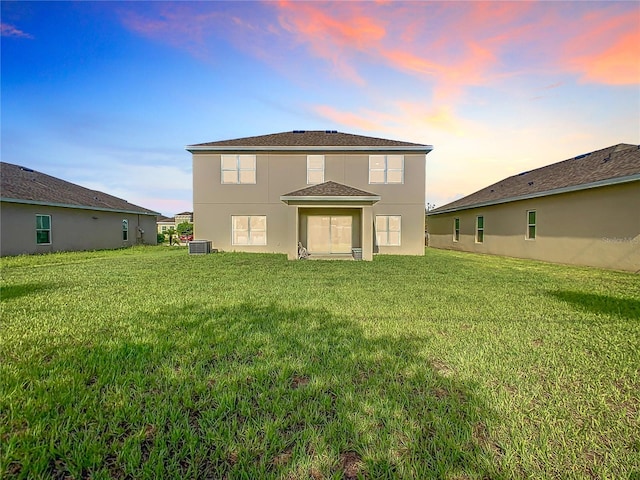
[[282, 458], [482, 438], [441, 368], [114, 468], [351, 465], [147, 441], [299, 381], [14, 468], [316, 474], [440, 393]]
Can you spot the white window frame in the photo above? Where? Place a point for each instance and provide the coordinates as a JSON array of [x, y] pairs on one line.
[[310, 169], [43, 229], [388, 231], [385, 170], [237, 169], [534, 225], [480, 229], [456, 229], [125, 230], [250, 241]]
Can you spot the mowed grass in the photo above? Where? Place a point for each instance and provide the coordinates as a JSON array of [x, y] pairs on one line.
[[150, 363]]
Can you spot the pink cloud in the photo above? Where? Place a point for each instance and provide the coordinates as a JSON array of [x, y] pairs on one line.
[[323, 28], [7, 30], [457, 45], [450, 46], [608, 51], [415, 38]]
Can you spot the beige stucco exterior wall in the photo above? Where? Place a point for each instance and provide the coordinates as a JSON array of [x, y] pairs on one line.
[[71, 229], [597, 227], [279, 173]]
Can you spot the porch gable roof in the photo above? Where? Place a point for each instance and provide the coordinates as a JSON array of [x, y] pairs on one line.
[[328, 192]]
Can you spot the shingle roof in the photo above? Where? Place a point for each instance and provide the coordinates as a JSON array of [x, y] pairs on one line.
[[330, 189], [300, 139], [24, 185], [610, 165]]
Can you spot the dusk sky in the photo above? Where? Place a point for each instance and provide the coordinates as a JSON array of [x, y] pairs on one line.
[[107, 94]]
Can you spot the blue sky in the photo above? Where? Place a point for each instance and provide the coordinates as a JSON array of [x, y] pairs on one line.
[[107, 94]]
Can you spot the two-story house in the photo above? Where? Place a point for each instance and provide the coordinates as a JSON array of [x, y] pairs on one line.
[[334, 193]]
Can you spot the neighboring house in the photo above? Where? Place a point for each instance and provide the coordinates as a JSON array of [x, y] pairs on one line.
[[166, 223], [40, 214], [184, 217], [583, 211], [332, 192]]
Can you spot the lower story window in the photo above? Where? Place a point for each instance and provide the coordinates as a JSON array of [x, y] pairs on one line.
[[479, 229], [43, 229], [125, 230], [456, 229], [388, 230], [531, 225], [249, 230]]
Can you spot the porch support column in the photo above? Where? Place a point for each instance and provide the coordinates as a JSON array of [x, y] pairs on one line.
[[367, 232], [293, 224]]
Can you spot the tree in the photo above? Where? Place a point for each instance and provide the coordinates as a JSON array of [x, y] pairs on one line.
[[184, 228], [171, 232]]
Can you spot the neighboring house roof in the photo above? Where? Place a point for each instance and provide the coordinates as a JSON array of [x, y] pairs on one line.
[[183, 214], [309, 140], [166, 220], [330, 191], [24, 185], [616, 164]]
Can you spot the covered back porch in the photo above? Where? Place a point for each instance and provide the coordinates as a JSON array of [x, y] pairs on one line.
[[332, 221]]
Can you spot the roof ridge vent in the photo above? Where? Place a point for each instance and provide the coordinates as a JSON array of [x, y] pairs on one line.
[[25, 169], [330, 131], [299, 131], [582, 156]]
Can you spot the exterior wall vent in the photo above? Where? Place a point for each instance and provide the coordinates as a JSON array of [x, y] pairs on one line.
[[199, 247]]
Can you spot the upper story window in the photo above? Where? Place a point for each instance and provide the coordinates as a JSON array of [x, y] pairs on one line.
[[456, 229], [43, 229], [315, 169], [531, 225], [388, 230], [125, 230], [386, 168], [479, 229], [238, 169]]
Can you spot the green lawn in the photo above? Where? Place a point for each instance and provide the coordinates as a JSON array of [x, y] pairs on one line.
[[150, 363]]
